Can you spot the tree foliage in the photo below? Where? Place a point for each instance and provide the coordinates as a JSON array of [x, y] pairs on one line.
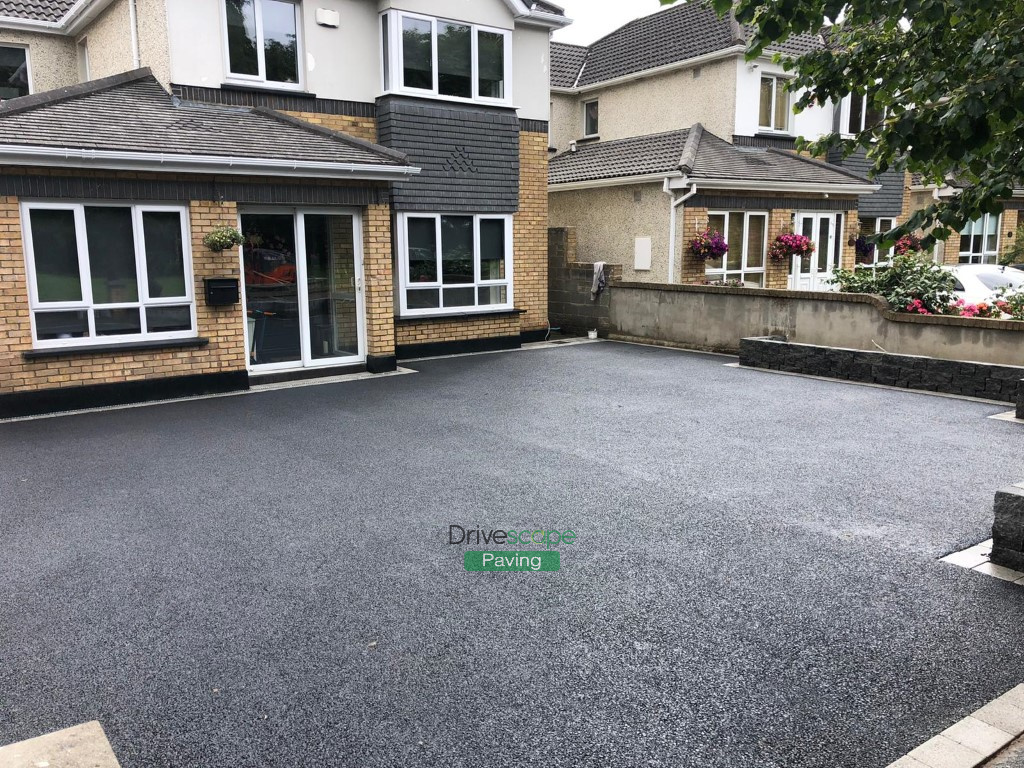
[[948, 74]]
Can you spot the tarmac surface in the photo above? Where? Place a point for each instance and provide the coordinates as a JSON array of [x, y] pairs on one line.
[[266, 580]]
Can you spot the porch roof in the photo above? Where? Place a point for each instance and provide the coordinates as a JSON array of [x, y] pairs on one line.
[[129, 121], [698, 156]]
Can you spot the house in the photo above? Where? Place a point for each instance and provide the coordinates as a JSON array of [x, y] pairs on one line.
[[384, 162], [986, 240], [663, 129]]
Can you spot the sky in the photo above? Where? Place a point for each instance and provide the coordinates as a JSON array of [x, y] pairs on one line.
[[593, 19]]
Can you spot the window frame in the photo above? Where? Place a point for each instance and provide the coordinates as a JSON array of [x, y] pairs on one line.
[[261, 78], [404, 285], [392, 71], [985, 254], [724, 273], [878, 230], [28, 65], [86, 303], [776, 80], [82, 49], [846, 114], [587, 134]]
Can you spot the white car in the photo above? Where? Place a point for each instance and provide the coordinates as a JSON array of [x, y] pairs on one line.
[[977, 283]]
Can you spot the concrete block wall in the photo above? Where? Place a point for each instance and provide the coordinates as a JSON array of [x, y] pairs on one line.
[[571, 306], [991, 382], [1008, 528]]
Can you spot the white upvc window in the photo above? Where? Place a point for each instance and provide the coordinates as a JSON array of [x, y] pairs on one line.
[[454, 263], [979, 240], [591, 113], [451, 60], [263, 42], [15, 71], [746, 234], [859, 114], [103, 273], [774, 108], [876, 258]]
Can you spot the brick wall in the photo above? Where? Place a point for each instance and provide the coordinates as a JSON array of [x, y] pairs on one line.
[[223, 326], [530, 232], [360, 127], [432, 330], [379, 281]]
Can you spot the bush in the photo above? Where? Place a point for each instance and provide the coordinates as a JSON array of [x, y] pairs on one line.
[[1011, 303], [909, 285]]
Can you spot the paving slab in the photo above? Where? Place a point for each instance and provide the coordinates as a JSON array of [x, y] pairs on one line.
[[81, 746]]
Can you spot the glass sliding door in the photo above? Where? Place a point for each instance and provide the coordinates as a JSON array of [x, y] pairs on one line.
[[303, 289], [332, 286], [270, 262]]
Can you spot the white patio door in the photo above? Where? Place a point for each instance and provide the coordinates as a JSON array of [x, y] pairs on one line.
[[303, 275], [812, 273]]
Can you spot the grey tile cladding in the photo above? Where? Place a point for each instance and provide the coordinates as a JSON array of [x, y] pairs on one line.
[[469, 156], [888, 201]]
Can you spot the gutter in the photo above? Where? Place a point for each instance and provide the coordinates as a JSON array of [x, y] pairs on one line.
[[164, 162], [79, 15], [784, 186], [617, 181]]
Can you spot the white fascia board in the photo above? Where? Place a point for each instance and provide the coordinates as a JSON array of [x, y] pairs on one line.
[[696, 61], [778, 186], [544, 19], [163, 162], [28, 25], [618, 181], [78, 16]]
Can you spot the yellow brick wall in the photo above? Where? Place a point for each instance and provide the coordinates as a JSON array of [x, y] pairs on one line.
[[223, 326], [530, 232], [456, 329], [780, 221], [378, 280], [360, 127]]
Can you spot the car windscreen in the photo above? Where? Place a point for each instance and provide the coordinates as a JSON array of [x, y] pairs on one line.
[[996, 280]]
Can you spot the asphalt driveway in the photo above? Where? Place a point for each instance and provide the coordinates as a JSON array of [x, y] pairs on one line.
[[265, 580]]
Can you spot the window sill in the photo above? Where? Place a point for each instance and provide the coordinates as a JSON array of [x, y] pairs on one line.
[[258, 88], [441, 315], [588, 139], [99, 349]]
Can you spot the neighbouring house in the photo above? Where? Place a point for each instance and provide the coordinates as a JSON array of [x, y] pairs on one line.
[[986, 240], [625, 108], [384, 162]]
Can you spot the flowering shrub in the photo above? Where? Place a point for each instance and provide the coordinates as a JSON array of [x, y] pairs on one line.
[[909, 285], [908, 245], [222, 238], [786, 246], [961, 308], [1011, 303], [708, 245]]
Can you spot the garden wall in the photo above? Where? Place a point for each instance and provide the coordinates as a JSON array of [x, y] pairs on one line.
[[717, 318], [992, 382]]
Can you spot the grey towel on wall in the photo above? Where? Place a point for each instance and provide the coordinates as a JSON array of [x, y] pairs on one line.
[[600, 281]]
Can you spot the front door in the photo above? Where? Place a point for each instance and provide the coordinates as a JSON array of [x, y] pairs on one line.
[[813, 273], [303, 289]]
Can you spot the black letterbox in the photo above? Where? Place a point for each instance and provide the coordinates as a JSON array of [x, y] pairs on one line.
[[221, 291]]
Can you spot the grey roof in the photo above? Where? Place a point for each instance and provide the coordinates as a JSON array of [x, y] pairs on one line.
[[566, 63], [132, 112], [698, 154], [671, 36], [35, 10]]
